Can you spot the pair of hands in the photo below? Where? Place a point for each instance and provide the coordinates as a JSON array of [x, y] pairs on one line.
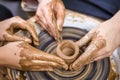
[[104, 39], [22, 56], [50, 14], [18, 54]]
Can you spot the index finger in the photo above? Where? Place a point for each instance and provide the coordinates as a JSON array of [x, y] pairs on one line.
[[89, 53], [29, 28], [51, 23], [60, 15]]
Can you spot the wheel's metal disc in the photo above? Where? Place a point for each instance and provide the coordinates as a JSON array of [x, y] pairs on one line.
[[95, 71]]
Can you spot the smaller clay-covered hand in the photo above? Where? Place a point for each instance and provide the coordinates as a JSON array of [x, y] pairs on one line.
[[20, 55], [7, 30], [103, 39], [51, 15]]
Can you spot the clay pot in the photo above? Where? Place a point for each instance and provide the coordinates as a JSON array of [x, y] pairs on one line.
[[68, 51]]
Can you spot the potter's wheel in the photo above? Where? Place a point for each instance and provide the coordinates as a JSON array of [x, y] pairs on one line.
[[95, 71]]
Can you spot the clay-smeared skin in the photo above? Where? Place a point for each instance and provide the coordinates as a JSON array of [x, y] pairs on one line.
[[7, 30], [35, 59], [64, 50], [91, 51], [22, 56], [51, 15]]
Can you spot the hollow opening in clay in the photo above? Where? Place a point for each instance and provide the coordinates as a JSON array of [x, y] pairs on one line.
[[67, 49]]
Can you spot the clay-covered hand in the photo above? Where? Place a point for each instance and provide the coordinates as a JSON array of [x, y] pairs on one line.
[[51, 15], [103, 39], [7, 30], [20, 55]]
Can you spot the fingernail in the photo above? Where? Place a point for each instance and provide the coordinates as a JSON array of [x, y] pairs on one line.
[[56, 38], [59, 28], [70, 68], [73, 67], [27, 40], [65, 66], [36, 42]]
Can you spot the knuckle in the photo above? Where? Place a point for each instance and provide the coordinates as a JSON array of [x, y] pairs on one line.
[[24, 64], [6, 37]]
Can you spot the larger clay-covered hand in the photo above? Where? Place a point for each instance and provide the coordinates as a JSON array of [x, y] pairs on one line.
[[51, 15], [104, 40], [20, 55], [7, 30]]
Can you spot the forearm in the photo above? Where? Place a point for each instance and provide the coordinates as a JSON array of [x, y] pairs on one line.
[[115, 20], [114, 23]]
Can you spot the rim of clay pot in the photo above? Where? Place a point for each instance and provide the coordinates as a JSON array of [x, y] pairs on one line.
[[68, 57]]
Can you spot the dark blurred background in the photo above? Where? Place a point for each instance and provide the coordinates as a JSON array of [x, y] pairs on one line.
[[14, 7]]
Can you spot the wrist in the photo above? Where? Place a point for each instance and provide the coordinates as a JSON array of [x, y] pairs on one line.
[[9, 54], [115, 20], [115, 24]]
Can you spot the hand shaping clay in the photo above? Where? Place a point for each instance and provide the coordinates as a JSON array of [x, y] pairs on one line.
[[68, 51]]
